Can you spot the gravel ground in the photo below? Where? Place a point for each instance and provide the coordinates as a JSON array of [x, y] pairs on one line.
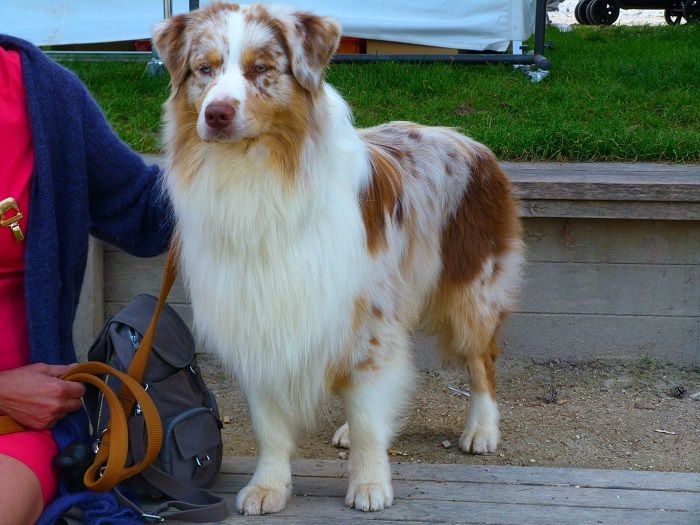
[[619, 415]]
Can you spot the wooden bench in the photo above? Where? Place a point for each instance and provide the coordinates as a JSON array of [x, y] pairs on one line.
[[613, 266], [464, 494]]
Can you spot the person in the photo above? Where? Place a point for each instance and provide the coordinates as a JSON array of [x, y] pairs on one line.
[[64, 174]]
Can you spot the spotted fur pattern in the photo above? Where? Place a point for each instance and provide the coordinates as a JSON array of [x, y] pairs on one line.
[[312, 250]]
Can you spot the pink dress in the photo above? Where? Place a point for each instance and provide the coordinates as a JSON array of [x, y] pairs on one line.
[[35, 449]]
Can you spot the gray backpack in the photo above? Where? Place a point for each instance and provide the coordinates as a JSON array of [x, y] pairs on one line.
[[191, 454]]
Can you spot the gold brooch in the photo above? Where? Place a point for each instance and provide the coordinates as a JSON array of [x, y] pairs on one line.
[[9, 205]]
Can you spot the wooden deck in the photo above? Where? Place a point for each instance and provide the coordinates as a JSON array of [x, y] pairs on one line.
[[465, 494]]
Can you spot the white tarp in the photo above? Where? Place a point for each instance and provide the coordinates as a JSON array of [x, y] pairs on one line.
[[461, 24]]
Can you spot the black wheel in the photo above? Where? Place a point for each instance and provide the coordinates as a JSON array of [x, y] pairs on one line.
[[691, 11], [672, 18], [674, 14], [580, 12], [602, 12]]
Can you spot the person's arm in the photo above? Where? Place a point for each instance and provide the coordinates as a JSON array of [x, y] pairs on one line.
[[35, 397], [128, 205]]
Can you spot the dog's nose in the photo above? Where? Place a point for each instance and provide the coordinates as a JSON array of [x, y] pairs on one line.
[[219, 114]]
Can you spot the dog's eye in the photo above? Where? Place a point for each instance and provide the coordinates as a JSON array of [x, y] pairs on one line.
[[260, 68], [204, 69]]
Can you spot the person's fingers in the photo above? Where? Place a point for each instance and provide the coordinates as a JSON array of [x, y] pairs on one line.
[[72, 405], [57, 370], [72, 389]]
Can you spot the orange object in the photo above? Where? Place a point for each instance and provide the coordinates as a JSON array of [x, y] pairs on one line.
[[350, 45]]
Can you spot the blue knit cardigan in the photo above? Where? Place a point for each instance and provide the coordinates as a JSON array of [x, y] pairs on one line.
[[85, 180]]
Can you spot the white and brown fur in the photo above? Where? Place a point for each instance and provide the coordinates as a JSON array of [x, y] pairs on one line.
[[313, 250]]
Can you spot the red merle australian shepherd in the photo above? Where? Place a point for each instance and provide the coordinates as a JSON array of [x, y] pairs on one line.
[[313, 250]]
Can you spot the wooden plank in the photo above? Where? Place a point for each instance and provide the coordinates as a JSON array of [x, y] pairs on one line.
[[184, 310], [127, 276], [274, 519], [427, 511], [557, 287], [601, 171], [605, 181], [610, 209], [491, 493], [612, 241], [382, 47], [480, 494], [89, 316], [595, 180], [618, 289], [574, 338], [495, 474], [583, 337]]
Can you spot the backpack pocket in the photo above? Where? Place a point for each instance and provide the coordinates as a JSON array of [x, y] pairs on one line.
[[192, 447]]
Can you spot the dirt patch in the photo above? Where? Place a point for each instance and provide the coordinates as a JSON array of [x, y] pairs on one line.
[[616, 415]]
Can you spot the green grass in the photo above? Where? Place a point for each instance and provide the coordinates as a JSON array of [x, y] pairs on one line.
[[614, 94]]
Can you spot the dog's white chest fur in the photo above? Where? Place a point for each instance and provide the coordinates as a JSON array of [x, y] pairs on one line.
[[272, 268]]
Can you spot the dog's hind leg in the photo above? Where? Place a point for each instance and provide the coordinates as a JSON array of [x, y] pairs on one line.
[[271, 484], [374, 401], [481, 433], [466, 327]]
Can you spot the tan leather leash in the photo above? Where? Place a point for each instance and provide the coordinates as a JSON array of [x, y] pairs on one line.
[[109, 466]]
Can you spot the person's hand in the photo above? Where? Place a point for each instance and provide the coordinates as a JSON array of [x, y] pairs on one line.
[[35, 397]]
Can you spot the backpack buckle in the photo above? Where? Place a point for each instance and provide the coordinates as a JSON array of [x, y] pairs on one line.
[[203, 463], [137, 408], [152, 518]]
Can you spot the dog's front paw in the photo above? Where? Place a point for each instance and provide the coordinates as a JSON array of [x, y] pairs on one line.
[[370, 496], [254, 500], [481, 433], [341, 438]]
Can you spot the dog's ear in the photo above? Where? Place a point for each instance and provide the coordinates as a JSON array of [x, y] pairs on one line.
[[312, 40], [171, 43]]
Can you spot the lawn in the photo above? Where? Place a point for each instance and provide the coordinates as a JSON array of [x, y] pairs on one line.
[[614, 94]]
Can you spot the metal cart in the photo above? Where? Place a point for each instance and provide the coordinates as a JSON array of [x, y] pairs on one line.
[[605, 12]]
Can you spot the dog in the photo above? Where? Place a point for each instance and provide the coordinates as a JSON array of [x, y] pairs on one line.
[[313, 250]]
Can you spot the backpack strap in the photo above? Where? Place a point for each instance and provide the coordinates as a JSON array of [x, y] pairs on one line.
[[138, 363], [106, 471], [184, 502], [109, 466]]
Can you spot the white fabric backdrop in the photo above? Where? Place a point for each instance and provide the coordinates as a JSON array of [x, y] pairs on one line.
[[461, 24]]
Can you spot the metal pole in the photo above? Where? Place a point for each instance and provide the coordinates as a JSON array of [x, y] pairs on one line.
[[155, 65], [540, 25], [467, 58]]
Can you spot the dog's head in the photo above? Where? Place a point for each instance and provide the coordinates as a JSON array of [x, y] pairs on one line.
[[244, 71]]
